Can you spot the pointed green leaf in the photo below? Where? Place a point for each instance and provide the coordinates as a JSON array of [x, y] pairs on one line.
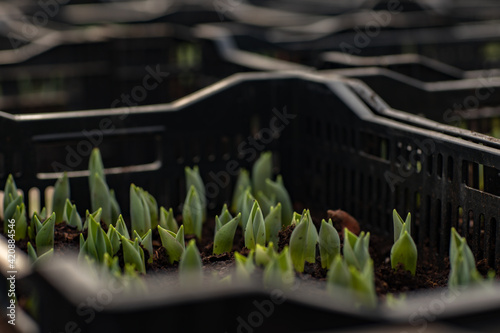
[[242, 184], [404, 252], [192, 213], [115, 239], [96, 167], [303, 243], [193, 178], [32, 253], [261, 171], [273, 224], [132, 255], [223, 241], [281, 194], [100, 198], [45, 237], [121, 227], [190, 266], [172, 245], [329, 243], [167, 220], [61, 194]]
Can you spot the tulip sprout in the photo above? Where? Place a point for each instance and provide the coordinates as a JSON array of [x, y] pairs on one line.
[[242, 184], [279, 271], [273, 224], [192, 213], [173, 243], [329, 243], [61, 194], [404, 250], [356, 249], [45, 235], [190, 266], [193, 178], [71, 216], [255, 230], [223, 241], [139, 210], [303, 242], [167, 220]]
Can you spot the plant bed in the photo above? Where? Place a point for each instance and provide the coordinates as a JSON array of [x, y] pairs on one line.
[[318, 179]]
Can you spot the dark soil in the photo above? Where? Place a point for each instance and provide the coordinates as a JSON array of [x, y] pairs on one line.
[[431, 272]]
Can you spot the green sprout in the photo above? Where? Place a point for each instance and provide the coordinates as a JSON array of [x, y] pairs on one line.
[[193, 178], [279, 271], [35, 258], [192, 213], [21, 224], [45, 235], [247, 201], [263, 255], [261, 171], [173, 243], [121, 227], [265, 202], [100, 194], [359, 284], [404, 250], [133, 254], [244, 266], [11, 200], [146, 241], [167, 220], [190, 266], [303, 242], [97, 242], [278, 190], [273, 224], [223, 219], [71, 216], [329, 243], [255, 230], [223, 241], [463, 271], [61, 194], [115, 238], [96, 215], [356, 249], [139, 210], [242, 184]]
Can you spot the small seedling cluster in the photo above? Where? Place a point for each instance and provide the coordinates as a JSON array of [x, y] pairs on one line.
[[260, 206]]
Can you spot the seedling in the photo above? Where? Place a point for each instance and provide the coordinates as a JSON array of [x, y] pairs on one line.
[[139, 210], [173, 243], [61, 194], [255, 230], [356, 249], [223, 241], [404, 251], [279, 271], [193, 178], [273, 224], [190, 266], [167, 220], [303, 242], [329, 243], [45, 235], [71, 216], [192, 213]]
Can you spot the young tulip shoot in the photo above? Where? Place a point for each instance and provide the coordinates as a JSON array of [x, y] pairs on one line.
[[61, 194], [273, 224], [167, 220], [278, 190], [192, 213], [133, 254], [21, 225], [45, 235], [223, 241], [242, 184], [463, 269], [261, 171], [404, 250], [255, 231], [9, 196], [356, 249], [100, 198], [193, 178], [71, 216], [279, 271], [139, 211], [329, 243], [190, 266], [173, 243], [303, 242]]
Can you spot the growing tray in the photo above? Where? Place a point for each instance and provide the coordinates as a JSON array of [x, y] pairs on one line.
[[470, 102], [336, 153]]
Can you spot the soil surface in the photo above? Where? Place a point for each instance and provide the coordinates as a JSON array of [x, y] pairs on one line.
[[431, 271]]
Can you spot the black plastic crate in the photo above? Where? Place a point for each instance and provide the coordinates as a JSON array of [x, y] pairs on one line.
[[333, 152], [471, 102]]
